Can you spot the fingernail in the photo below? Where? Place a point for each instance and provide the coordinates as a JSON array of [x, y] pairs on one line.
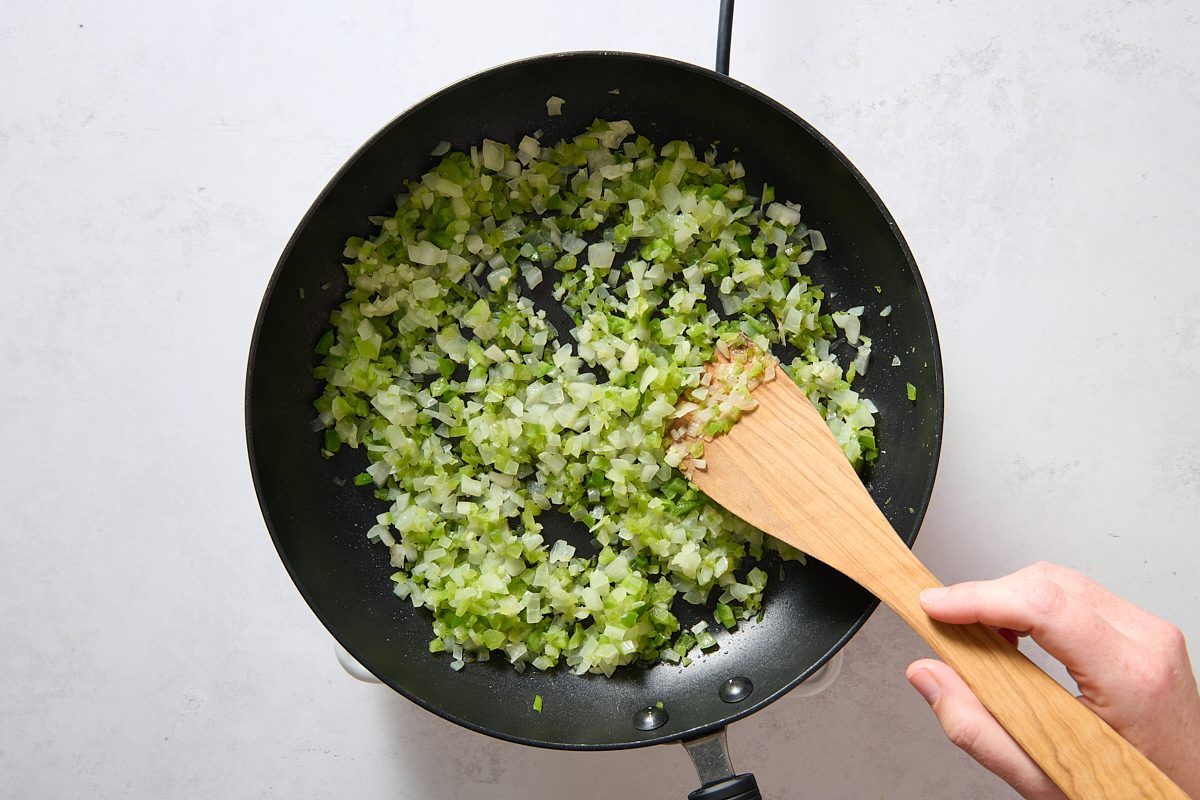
[[924, 682], [933, 595]]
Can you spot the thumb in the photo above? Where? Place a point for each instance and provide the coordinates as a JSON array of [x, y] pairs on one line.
[[969, 725]]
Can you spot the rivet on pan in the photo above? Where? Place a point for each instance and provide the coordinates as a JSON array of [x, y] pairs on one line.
[[649, 718], [736, 689]]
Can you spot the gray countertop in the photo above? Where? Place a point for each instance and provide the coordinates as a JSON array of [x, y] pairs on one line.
[[1040, 159]]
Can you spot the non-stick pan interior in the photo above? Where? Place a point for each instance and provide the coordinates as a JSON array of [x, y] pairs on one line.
[[319, 520]]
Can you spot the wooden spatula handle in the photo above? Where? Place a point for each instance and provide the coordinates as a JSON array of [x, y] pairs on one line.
[[1057, 731]]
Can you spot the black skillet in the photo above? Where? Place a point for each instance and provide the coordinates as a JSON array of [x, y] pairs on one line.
[[318, 522]]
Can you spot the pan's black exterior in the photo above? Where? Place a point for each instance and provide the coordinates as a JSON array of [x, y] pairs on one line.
[[319, 526]]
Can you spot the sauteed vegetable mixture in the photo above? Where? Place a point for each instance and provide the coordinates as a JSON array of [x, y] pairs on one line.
[[478, 416]]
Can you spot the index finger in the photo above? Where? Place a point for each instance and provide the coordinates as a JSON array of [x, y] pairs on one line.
[[1137, 624], [1063, 622]]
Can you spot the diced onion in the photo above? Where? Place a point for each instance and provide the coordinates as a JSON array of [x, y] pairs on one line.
[[476, 415]]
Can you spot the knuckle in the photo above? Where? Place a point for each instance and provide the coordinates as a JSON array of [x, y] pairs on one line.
[[1044, 595], [1172, 641], [1160, 676], [1156, 678]]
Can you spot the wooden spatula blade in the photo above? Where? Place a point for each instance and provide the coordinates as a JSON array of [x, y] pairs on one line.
[[780, 469]]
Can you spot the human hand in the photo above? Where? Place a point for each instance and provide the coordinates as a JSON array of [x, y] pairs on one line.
[[1131, 667]]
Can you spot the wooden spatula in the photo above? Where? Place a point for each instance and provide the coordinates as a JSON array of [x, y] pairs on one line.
[[780, 469]]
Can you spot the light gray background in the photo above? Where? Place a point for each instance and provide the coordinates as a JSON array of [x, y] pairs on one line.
[[154, 159]]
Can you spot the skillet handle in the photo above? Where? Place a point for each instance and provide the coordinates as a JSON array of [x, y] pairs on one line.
[[724, 35], [710, 755], [738, 787]]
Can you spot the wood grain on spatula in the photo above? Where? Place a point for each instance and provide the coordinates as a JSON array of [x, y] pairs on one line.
[[780, 469]]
